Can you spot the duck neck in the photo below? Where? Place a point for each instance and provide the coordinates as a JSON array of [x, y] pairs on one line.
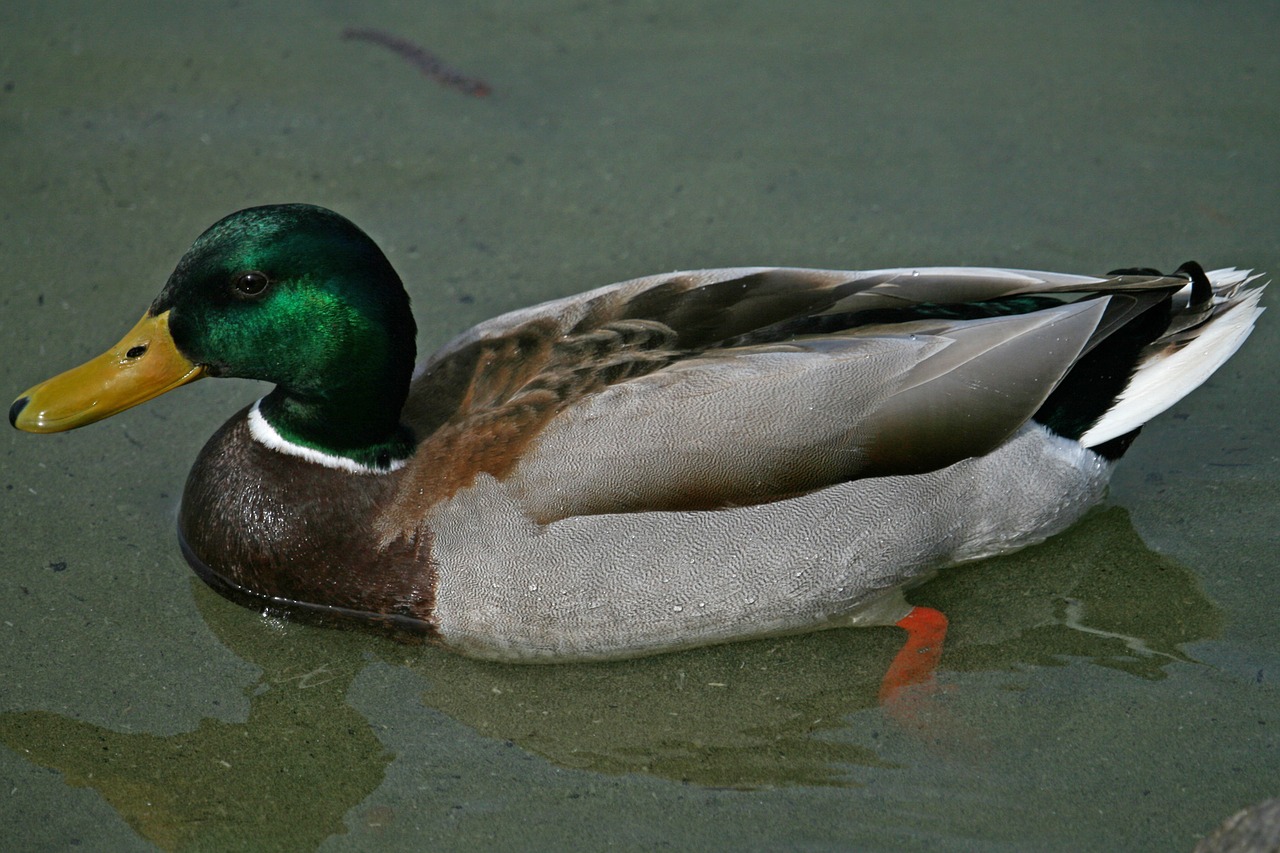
[[354, 427]]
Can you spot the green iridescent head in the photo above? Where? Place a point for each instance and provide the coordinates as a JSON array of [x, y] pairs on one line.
[[299, 296]]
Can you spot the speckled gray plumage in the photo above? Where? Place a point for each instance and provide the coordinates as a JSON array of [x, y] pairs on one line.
[[630, 584]]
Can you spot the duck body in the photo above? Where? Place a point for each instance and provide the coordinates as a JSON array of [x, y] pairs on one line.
[[667, 462]]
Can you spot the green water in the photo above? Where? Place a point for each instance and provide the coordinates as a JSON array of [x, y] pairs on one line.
[[1115, 689]]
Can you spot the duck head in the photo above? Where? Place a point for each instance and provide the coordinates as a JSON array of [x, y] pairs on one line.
[[291, 294]]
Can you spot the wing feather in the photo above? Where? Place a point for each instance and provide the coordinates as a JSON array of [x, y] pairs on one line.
[[726, 387]]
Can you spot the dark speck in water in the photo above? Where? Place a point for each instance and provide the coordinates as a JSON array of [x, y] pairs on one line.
[[421, 58], [58, 565]]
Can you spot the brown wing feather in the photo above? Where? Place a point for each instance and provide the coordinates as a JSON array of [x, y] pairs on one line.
[[495, 396], [483, 401]]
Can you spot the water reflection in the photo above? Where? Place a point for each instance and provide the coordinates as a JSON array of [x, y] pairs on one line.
[[1096, 592], [761, 714], [284, 777]]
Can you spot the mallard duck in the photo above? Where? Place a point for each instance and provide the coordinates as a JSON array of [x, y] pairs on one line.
[[671, 461]]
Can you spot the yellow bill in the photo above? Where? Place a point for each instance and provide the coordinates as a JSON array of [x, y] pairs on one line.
[[145, 364]]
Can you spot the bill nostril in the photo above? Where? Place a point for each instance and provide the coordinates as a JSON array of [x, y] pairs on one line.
[[136, 352]]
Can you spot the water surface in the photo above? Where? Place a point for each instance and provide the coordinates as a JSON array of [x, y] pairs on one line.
[[1114, 689]]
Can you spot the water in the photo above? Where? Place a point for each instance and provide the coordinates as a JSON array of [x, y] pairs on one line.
[[1114, 689]]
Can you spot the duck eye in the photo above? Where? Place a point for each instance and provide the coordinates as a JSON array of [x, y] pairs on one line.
[[250, 284]]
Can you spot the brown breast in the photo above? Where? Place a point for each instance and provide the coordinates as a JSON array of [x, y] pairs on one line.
[[272, 530]]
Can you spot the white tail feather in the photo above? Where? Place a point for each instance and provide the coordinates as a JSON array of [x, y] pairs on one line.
[[1165, 377]]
